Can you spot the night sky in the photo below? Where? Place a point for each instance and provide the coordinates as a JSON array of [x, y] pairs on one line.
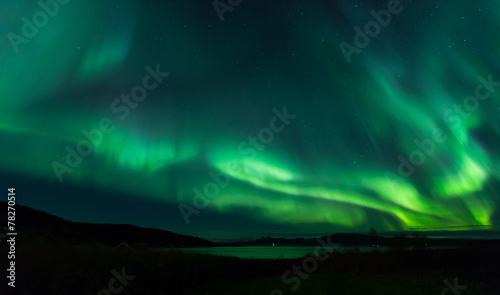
[[271, 118]]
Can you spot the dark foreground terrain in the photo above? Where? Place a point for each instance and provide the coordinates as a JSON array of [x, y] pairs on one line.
[[48, 268], [55, 256]]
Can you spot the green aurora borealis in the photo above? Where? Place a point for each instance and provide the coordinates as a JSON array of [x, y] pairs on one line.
[[334, 167]]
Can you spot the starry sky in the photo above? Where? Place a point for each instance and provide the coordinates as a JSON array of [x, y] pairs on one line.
[[261, 118]]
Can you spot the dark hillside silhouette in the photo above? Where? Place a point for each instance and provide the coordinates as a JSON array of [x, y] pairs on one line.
[[33, 223]]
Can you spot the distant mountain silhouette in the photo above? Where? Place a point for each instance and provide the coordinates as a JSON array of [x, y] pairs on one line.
[[33, 223], [339, 238], [347, 239]]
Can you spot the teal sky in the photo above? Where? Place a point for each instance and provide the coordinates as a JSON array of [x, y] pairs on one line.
[[401, 135]]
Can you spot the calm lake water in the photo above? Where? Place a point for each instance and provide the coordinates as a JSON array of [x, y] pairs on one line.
[[269, 252]]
